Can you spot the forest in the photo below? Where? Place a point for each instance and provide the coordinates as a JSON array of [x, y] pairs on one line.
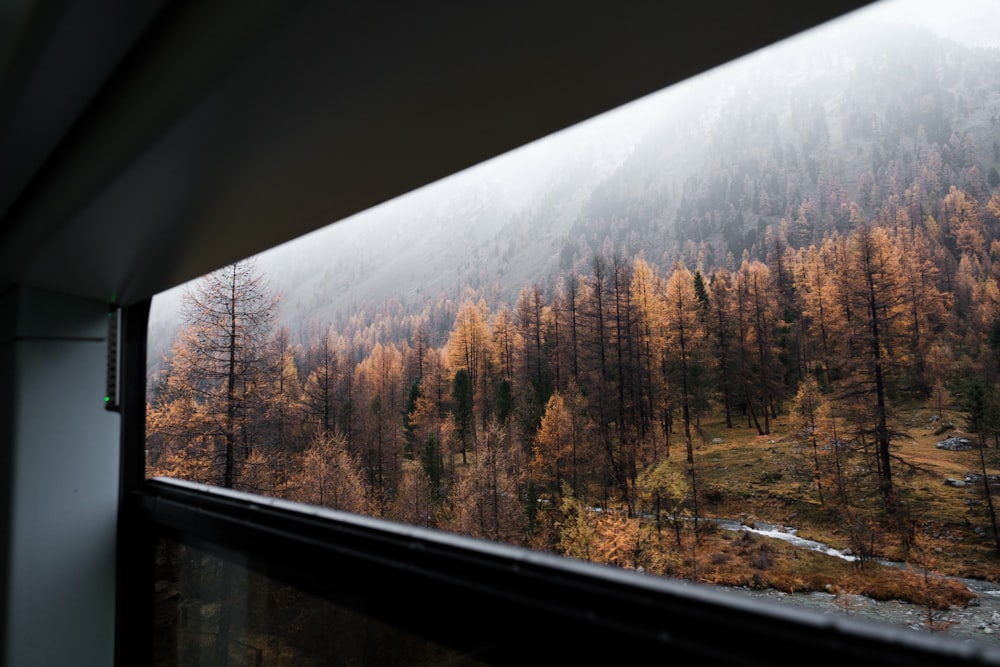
[[840, 267]]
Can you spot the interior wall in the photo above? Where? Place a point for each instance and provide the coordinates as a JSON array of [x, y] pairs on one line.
[[59, 459]]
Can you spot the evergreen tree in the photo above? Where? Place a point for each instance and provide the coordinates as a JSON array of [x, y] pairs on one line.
[[462, 409]]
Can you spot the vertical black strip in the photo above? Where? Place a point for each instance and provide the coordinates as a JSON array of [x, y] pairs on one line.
[[112, 396], [134, 596]]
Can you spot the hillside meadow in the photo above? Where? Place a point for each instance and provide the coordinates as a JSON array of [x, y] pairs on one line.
[[768, 480]]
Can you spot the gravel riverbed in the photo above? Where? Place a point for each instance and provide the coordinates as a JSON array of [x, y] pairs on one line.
[[979, 621]]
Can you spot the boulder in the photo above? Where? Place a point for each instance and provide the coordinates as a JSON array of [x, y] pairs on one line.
[[955, 443]]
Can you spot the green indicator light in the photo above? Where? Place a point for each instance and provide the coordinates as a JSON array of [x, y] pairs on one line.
[[107, 399]]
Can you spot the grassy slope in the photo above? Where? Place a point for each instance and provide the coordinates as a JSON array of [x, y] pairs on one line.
[[768, 478]]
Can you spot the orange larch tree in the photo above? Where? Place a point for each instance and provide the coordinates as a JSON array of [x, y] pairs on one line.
[[874, 283], [684, 343], [217, 368]]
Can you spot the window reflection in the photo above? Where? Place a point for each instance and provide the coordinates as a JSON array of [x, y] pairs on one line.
[[217, 611]]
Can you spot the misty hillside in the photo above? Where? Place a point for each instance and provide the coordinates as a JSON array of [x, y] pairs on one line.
[[786, 138], [860, 116]]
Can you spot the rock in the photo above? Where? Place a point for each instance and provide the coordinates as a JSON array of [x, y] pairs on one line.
[[977, 478], [955, 444], [951, 481]]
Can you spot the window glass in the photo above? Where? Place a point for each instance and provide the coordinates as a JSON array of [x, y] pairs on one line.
[[211, 610], [742, 331]]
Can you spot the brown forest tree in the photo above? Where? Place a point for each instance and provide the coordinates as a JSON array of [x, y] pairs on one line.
[[873, 279], [649, 306], [329, 475], [485, 499], [216, 372], [561, 448], [379, 384]]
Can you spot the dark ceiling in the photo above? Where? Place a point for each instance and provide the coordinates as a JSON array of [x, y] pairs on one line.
[[144, 143]]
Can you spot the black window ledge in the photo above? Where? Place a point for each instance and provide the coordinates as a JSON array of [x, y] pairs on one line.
[[511, 605]]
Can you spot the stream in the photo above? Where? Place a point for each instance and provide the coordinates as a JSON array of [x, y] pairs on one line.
[[979, 621]]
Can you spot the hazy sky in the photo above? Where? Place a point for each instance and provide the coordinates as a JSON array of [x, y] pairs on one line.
[[970, 22]]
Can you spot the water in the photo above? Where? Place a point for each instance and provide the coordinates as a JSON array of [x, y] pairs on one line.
[[783, 533]]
